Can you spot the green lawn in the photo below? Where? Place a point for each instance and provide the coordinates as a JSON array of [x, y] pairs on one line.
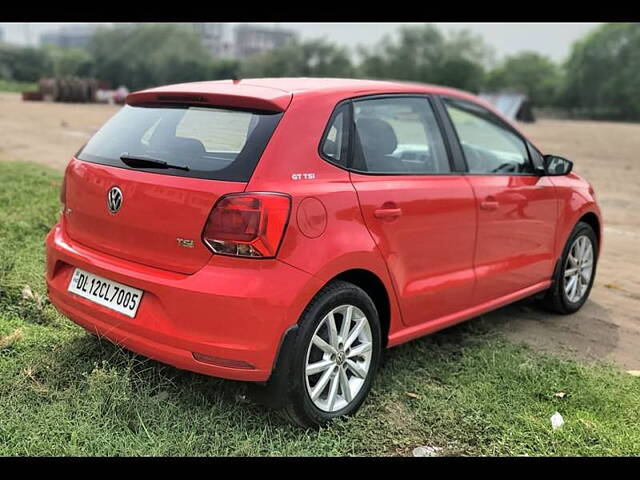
[[64, 392], [10, 86]]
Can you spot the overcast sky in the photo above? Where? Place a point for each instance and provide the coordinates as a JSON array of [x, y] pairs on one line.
[[552, 39]]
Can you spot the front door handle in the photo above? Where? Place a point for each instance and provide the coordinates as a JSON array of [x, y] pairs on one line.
[[387, 212], [489, 203]]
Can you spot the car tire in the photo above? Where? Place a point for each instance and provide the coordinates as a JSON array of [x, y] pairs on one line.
[[336, 391], [564, 297]]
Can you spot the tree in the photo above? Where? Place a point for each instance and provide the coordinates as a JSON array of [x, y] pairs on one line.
[[68, 62], [530, 73], [425, 54], [24, 64], [224, 69], [314, 58], [141, 56], [603, 72]]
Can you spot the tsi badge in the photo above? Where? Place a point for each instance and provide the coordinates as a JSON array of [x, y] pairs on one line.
[[183, 242], [114, 199]]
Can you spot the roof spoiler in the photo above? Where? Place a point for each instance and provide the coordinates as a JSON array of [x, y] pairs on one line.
[[214, 94]]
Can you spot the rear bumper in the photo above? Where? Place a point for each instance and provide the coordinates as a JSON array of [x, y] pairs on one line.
[[232, 309]]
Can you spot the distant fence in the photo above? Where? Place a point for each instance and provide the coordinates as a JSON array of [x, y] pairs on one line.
[[601, 114]]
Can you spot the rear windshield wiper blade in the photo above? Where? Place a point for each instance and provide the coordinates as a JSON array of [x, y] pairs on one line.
[[143, 161]]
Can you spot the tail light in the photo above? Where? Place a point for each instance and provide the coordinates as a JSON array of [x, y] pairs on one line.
[[247, 224]]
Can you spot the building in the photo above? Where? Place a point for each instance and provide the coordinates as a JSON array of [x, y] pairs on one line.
[[1, 35], [214, 38], [69, 36], [253, 39]]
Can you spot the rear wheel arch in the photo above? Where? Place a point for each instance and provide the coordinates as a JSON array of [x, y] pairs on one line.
[[279, 390], [372, 285], [375, 288]]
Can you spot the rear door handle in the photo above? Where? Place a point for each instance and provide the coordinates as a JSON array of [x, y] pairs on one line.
[[387, 212], [489, 203]]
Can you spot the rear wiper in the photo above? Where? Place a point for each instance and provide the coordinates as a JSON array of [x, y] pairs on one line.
[[143, 161]]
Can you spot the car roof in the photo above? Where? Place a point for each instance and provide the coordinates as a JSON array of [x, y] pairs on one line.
[[299, 85], [278, 92]]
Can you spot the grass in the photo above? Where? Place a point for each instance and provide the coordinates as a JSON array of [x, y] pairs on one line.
[[11, 86], [466, 390]]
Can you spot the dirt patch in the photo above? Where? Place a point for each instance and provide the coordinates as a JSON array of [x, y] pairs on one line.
[[608, 327], [46, 132]]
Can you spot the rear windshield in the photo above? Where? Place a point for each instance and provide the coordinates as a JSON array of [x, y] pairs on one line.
[[214, 143]]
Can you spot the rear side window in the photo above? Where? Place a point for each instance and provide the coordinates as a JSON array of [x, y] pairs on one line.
[[214, 143], [334, 145], [398, 136]]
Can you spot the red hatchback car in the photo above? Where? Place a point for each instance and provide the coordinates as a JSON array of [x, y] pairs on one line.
[[286, 231]]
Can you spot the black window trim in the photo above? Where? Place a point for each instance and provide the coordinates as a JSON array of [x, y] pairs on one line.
[[459, 163], [345, 147], [350, 144], [509, 127], [538, 166]]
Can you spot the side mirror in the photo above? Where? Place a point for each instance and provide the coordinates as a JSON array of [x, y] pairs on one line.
[[556, 166]]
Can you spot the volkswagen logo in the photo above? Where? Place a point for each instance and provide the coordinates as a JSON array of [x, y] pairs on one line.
[[114, 199]]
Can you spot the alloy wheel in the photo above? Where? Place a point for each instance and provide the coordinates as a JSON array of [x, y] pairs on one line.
[[338, 358], [578, 268]]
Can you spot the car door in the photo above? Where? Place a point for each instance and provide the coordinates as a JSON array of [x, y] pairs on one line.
[[420, 214], [517, 209]]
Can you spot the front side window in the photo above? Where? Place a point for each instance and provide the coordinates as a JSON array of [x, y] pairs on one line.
[[213, 143], [489, 146], [398, 136]]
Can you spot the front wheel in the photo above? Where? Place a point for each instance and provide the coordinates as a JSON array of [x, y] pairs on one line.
[[335, 356], [576, 271]]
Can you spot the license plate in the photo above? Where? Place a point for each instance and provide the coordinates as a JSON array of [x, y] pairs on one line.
[[110, 294]]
